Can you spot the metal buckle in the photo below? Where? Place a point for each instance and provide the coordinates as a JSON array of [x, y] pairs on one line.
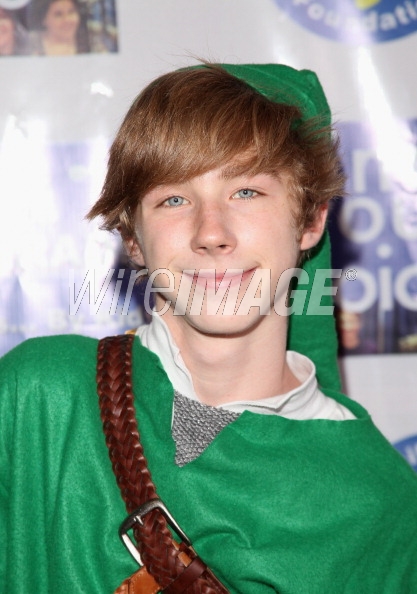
[[136, 518]]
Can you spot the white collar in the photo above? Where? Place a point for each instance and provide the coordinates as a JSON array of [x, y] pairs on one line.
[[302, 403]]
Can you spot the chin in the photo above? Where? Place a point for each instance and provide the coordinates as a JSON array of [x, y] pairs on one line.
[[225, 325]]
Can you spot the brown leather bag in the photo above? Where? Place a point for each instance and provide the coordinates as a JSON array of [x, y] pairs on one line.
[[169, 567]]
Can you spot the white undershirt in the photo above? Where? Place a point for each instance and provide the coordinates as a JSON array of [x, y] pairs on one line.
[[306, 402]]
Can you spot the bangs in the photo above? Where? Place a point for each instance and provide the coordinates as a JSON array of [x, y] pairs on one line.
[[180, 134], [189, 122]]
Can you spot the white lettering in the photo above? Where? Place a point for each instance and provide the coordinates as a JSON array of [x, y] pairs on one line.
[[361, 161], [400, 288], [387, 21], [411, 10], [74, 302], [333, 19], [375, 214], [261, 276], [319, 290], [316, 11], [370, 22], [410, 453], [184, 292], [404, 217], [134, 275], [401, 15], [298, 296], [116, 292], [386, 301], [150, 289]]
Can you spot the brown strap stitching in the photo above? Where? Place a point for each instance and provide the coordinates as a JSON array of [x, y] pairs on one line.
[[187, 577], [154, 541]]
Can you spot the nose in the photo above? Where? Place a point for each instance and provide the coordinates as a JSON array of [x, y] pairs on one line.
[[212, 231]]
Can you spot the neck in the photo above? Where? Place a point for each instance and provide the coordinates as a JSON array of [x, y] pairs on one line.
[[228, 368]]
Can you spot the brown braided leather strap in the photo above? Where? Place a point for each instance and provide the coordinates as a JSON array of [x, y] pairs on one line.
[[175, 567]]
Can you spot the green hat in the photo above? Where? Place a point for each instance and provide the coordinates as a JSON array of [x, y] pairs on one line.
[[312, 335], [284, 84]]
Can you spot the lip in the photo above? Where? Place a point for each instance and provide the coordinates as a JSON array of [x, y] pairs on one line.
[[210, 277]]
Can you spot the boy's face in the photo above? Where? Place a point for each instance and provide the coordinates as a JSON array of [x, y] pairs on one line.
[[212, 224]]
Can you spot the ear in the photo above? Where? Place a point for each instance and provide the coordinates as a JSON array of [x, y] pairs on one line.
[[134, 251], [311, 236]]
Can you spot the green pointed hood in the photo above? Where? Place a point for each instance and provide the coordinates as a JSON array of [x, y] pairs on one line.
[[311, 334]]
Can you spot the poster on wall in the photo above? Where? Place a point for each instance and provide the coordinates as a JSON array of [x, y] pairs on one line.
[[374, 230], [57, 27]]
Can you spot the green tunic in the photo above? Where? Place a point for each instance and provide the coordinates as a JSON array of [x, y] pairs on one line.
[[272, 505]]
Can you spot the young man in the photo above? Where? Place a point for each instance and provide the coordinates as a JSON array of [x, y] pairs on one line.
[[216, 176]]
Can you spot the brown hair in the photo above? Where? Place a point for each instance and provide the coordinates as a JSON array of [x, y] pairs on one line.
[[188, 122]]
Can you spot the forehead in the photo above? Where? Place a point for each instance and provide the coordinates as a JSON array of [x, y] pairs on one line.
[[234, 172], [58, 5], [243, 165]]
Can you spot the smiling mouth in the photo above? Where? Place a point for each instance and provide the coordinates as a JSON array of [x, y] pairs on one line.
[[214, 278]]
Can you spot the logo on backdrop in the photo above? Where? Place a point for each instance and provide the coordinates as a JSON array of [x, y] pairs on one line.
[[374, 232], [408, 448], [355, 21]]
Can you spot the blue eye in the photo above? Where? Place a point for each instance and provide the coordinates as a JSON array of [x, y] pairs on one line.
[[175, 201], [245, 193]]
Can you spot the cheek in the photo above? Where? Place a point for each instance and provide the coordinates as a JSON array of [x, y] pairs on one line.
[[150, 247], [276, 238], [51, 22], [6, 28]]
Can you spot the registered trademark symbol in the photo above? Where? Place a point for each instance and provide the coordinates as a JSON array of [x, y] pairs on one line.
[[351, 274]]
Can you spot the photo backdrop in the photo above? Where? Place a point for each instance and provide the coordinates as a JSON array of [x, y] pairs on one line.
[[70, 69]]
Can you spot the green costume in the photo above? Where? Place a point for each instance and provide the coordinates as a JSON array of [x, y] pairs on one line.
[[272, 504]]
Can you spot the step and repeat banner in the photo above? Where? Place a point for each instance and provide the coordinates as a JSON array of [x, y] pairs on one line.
[[69, 69]]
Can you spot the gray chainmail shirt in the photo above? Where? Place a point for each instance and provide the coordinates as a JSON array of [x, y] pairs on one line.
[[194, 427]]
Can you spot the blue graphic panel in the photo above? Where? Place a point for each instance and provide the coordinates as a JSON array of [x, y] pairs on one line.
[[354, 21], [408, 448], [374, 236]]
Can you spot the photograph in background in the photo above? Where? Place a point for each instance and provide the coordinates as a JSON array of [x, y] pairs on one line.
[[57, 27]]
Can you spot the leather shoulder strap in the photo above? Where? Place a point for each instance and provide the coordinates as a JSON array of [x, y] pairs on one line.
[[175, 567]]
